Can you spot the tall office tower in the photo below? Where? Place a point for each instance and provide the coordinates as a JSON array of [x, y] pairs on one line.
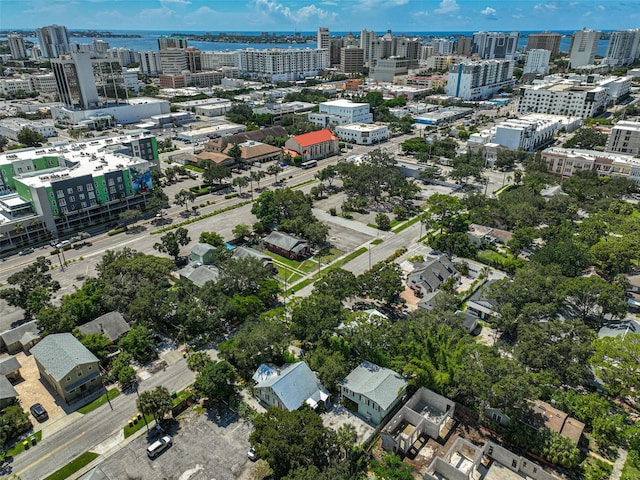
[[194, 59], [544, 41], [407, 48], [623, 48], [463, 46], [366, 41], [495, 45], [443, 46], [16, 46], [382, 47], [322, 38], [109, 79], [335, 45], [172, 42], [351, 60], [75, 81], [173, 61], [36, 52], [584, 45], [53, 40], [351, 41], [100, 46], [150, 63], [537, 62]]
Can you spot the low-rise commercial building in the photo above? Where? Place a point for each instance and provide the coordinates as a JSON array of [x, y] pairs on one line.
[[341, 112], [363, 134], [11, 127]]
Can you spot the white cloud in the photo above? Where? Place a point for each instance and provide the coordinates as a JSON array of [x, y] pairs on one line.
[[423, 13], [200, 15], [488, 12], [297, 16], [545, 7], [601, 7], [329, 3], [517, 16], [447, 6], [181, 2]]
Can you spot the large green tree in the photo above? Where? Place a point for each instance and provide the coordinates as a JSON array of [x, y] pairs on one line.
[[216, 380], [30, 137], [616, 361], [156, 402], [171, 242]]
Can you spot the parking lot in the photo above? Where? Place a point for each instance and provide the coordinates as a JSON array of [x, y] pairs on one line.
[[205, 446]]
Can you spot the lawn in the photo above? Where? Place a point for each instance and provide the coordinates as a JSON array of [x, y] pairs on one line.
[[630, 471], [290, 275], [406, 224], [377, 241], [287, 261], [113, 393], [128, 431], [329, 255], [19, 447], [194, 168], [73, 466]]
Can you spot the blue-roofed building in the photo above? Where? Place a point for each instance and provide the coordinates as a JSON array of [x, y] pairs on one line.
[[68, 367], [376, 390], [289, 387]]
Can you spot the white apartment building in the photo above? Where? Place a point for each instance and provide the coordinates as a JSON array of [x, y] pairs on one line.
[[9, 86], [341, 112], [362, 134], [215, 60], [495, 45], [537, 62], [366, 43], [532, 131], [323, 38], [283, 65], [126, 56], [16, 46], [563, 98], [150, 63], [623, 48], [10, 127], [387, 69], [584, 45], [624, 138], [479, 80], [45, 83], [565, 162], [53, 40]]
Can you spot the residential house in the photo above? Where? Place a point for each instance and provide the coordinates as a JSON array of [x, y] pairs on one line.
[[289, 387], [482, 236], [112, 325], [203, 254], [375, 390], [200, 274], [425, 414], [10, 368], [480, 304], [68, 367], [314, 145], [469, 321], [21, 338], [8, 394], [545, 415], [287, 245], [466, 461], [248, 252], [217, 159], [427, 277]]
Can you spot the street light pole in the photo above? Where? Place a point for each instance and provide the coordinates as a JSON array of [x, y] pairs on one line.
[[144, 417]]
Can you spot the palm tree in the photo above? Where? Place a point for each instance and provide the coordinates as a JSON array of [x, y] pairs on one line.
[[19, 228], [256, 177]]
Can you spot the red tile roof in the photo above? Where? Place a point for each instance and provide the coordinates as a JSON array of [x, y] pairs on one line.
[[313, 138]]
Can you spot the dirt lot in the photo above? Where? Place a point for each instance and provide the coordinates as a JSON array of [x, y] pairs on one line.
[[32, 390]]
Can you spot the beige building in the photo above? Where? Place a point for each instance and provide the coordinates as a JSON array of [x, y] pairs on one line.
[[625, 138]]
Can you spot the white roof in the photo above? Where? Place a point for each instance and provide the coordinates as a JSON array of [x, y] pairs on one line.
[[342, 103]]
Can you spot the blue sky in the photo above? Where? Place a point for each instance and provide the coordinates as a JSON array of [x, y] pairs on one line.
[[338, 15]]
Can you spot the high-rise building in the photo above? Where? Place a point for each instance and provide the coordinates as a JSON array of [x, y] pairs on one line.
[[544, 41], [172, 42], [537, 62], [584, 45], [463, 46], [100, 46], [479, 80], [351, 60], [282, 65], [150, 63], [75, 81], [16, 46], [495, 45], [194, 59], [563, 98], [623, 48], [173, 61], [335, 45], [366, 41], [126, 56], [53, 40], [322, 38]]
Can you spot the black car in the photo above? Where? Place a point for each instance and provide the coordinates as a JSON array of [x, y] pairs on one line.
[[38, 412]]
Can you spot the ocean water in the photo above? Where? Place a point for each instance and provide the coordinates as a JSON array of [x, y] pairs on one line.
[[148, 40]]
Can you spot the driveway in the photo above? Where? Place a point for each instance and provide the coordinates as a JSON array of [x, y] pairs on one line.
[[339, 416]]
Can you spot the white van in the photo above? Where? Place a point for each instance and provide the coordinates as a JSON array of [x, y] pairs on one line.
[[159, 446]]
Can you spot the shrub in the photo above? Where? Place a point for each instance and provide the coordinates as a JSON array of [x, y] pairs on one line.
[[333, 211], [116, 231]]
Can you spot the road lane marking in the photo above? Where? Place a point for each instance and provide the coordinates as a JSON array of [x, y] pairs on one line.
[[52, 452]]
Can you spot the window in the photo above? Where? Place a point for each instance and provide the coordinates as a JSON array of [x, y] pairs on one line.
[[51, 195], [83, 204], [72, 198], [69, 190], [89, 187], [514, 463], [91, 195], [68, 379], [79, 374], [62, 202], [112, 189], [111, 182], [119, 179], [60, 194], [79, 188]]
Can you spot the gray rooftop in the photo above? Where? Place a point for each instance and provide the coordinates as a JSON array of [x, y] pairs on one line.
[[246, 252], [201, 274], [9, 365], [6, 389], [112, 325], [60, 353], [95, 474], [201, 249], [285, 241], [379, 384], [14, 335], [294, 384]]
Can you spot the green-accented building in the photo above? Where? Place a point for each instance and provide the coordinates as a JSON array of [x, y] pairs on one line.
[[49, 191]]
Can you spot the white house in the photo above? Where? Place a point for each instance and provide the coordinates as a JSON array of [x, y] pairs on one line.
[[362, 134]]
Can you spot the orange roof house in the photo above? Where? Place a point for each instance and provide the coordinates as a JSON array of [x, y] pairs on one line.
[[314, 145]]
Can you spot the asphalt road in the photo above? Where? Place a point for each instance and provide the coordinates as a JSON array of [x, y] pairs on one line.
[[94, 428]]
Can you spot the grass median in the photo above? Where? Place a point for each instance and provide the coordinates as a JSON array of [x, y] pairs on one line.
[[19, 447], [98, 402], [73, 466]]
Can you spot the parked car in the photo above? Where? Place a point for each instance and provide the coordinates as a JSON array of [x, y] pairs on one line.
[[252, 455], [26, 251], [38, 412], [159, 446]]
